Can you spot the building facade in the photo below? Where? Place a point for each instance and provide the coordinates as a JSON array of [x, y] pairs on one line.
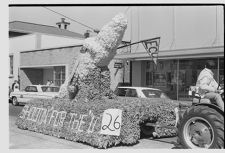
[[53, 64], [190, 37], [28, 63], [40, 53], [176, 70]]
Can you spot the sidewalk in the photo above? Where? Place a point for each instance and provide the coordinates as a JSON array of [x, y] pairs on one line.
[[25, 139]]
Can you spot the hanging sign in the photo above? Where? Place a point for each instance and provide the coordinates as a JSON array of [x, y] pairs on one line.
[[152, 47], [111, 122], [118, 65]]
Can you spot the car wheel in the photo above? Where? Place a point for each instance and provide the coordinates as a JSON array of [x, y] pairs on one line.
[[15, 101]]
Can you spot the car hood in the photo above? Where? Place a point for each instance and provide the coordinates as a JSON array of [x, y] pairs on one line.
[[182, 103], [47, 94]]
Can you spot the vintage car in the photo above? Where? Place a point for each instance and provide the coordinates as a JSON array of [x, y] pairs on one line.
[[33, 91], [146, 92], [141, 92], [147, 129]]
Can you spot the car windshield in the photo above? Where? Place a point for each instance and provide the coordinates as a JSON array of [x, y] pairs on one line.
[[154, 94], [50, 89], [120, 92]]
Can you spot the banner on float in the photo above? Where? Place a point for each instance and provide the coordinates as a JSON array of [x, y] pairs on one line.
[[111, 122]]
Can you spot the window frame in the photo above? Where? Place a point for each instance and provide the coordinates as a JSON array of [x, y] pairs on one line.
[[29, 89], [118, 91], [129, 90]]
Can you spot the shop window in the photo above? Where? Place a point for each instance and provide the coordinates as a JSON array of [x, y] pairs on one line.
[[189, 70], [11, 65], [59, 75], [162, 76], [175, 83]]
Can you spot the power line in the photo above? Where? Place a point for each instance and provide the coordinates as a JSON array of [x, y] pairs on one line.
[[70, 18], [126, 10]]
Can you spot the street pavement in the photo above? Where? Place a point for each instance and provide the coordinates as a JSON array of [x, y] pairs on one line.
[[24, 139]]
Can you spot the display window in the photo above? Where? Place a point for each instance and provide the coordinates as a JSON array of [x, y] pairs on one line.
[[175, 77], [162, 76], [190, 69]]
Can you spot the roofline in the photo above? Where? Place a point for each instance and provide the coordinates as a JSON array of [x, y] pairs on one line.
[[62, 32], [52, 48], [183, 53], [32, 23]]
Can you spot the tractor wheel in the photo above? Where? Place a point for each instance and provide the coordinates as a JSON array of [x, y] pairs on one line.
[[201, 127]]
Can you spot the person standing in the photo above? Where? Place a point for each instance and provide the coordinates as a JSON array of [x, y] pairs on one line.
[[10, 90], [16, 86], [13, 84]]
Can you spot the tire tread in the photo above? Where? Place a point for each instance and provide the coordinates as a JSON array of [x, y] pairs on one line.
[[216, 118]]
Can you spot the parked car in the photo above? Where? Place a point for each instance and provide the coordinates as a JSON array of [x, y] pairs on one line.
[[33, 91], [141, 92], [145, 92]]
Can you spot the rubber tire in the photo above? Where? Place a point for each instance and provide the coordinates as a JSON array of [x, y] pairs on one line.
[[214, 118], [15, 101]]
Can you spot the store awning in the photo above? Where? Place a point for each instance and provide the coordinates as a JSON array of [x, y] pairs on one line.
[[217, 51]]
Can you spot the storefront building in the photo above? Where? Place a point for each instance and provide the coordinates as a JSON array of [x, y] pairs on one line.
[[176, 70], [190, 37], [39, 66], [38, 53]]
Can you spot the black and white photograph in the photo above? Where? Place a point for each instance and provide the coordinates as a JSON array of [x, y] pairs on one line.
[[109, 76]]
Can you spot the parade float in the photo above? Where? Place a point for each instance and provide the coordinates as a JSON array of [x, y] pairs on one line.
[[86, 109]]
